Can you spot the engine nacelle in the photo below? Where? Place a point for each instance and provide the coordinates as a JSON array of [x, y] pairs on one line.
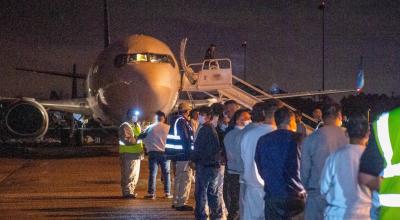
[[25, 119]]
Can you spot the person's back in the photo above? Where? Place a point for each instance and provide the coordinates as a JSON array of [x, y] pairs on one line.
[[345, 197], [278, 156], [156, 137], [339, 184], [278, 162], [315, 149]]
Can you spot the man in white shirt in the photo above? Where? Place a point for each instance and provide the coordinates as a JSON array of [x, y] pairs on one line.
[[346, 199], [263, 116], [156, 137]]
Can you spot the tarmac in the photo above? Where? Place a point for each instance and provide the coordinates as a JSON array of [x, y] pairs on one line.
[[74, 183]]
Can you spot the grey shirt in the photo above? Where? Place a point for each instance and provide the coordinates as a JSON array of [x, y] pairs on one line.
[[314, 151], [232, 150]]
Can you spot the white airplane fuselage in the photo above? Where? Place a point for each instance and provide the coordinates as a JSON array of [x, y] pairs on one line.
[[138, 73]]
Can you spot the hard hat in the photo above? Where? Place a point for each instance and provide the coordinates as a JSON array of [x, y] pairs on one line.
[[184, 106]]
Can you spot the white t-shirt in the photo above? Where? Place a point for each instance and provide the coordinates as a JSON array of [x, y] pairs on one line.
[[345, 198], [156, 137]]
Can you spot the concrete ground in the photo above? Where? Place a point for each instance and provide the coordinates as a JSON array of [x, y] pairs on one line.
[[74, 183]]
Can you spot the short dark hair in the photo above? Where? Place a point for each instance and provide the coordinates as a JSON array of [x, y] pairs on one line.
[[257, 113], [237, 115], [357, 125], [230, 102], [331, 110], [160, 114], [282, 116], [205, 110], [193, 111], [217, 109], [270, 107]]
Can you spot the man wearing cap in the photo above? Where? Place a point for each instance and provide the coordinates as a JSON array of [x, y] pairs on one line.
[[131, 152], [178, 148]]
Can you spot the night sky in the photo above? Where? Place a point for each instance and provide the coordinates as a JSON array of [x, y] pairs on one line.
[[283, 39]]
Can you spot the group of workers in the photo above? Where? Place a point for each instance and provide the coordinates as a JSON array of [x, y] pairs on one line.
[[256, 165]]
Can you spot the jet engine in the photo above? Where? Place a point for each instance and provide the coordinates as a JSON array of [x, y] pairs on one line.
[[23, 118]]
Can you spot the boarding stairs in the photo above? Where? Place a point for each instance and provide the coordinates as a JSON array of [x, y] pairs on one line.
[[214, 78]]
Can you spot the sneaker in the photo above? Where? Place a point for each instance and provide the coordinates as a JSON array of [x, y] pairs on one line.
[[184, 208], [130, 196], [168, 196], [150, 196]]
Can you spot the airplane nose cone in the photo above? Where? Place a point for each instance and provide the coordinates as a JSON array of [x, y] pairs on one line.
[[117, 98]]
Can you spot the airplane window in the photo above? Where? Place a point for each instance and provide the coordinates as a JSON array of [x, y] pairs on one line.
[[123, 59]]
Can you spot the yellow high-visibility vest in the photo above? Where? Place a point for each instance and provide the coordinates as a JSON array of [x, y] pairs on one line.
[[387, 135], [134, 148]]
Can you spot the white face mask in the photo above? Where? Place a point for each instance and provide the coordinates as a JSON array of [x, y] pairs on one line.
[[223, 126], [247, 122], [202, 119], [215, 121], [239, 127]]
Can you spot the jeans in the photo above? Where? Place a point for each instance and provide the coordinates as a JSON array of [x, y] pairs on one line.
[[208, 191], [289, 208], [155, 159]]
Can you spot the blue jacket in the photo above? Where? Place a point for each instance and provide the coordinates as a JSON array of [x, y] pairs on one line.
[[180, 139], [278, 162]]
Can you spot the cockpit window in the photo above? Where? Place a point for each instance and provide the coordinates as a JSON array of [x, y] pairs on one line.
[[123, 59]]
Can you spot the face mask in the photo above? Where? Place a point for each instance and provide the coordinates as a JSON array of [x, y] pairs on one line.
[[215, 121], [202, 119], [223, 127], [239, 127], [247, 122]]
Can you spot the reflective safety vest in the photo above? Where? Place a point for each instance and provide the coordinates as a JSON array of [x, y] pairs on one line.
[[133, 148], [174, 143], [387, 135]]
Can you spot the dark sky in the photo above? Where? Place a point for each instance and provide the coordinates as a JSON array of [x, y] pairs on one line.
[[283, 39]]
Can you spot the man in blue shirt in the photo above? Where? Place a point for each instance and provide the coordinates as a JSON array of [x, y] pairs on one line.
[[278, 162]]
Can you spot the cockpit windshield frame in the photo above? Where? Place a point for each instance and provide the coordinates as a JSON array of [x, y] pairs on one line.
[[123, 59]]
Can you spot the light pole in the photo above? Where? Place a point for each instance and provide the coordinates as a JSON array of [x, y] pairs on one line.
[[322, 8], [244, 45]]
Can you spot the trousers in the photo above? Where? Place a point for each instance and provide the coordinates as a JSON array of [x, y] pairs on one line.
[[130, 169], [209, 183], [182, 183]]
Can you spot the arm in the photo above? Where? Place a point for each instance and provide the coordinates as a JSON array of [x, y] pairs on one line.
[[372, 182], [305, 166], [371, 165], [327, 175], [126, 135]]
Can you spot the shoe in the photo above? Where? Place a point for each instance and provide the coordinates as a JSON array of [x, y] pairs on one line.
[[173, 206], [168, 196], [150, 196], [130, 196], [184, 208]]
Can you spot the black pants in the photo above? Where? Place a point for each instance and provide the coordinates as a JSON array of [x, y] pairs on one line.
[[231, 195], [283, 208]]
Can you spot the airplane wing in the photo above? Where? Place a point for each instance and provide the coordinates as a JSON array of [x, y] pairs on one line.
[[307, 93], [79, 106]]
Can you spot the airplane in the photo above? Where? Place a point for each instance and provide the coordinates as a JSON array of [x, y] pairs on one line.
[[138, 73]]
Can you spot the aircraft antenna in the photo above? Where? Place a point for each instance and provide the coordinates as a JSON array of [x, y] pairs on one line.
[[106, 31]]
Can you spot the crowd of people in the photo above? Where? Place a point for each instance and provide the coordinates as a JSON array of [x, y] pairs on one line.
[[257, 164]]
